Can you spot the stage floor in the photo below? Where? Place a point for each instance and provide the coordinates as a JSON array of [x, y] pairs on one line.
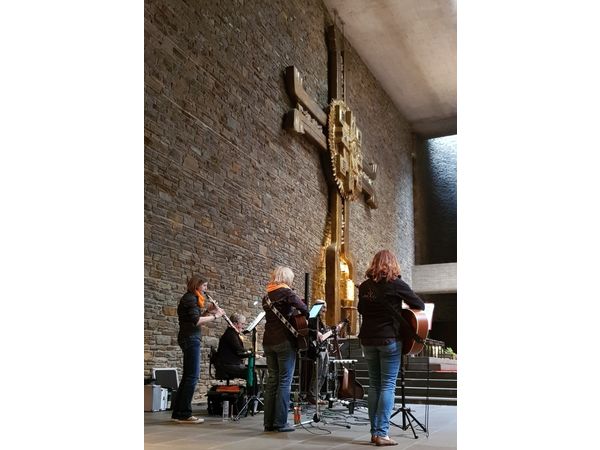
[[247, 433]]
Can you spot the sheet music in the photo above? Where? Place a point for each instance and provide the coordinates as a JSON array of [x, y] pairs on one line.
[[255, 322], [429, 313], [314, 311]]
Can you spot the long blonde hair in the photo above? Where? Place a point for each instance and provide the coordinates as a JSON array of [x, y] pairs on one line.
[[384, 265]]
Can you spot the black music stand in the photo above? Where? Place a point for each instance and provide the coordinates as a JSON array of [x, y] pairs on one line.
[[407, 416], [251, 378]]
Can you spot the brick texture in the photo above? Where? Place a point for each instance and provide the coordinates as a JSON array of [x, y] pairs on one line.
[[229, 193]]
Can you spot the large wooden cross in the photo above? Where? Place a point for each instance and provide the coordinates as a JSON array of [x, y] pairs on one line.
[[333, 130]]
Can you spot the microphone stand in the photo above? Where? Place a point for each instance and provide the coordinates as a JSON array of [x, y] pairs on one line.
[[316, 418]]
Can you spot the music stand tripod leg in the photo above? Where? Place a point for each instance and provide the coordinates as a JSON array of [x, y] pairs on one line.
[[245, 409], [317, 415], [301, 387], [316, 368], [407, 416], [251, 401], [253, 397]]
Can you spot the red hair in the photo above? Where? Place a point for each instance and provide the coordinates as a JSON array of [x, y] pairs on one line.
[[194, 283], [384, 265]]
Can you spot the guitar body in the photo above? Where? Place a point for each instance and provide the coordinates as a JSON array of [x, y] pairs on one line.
[[300, 324], [348, 386], [418, 321]]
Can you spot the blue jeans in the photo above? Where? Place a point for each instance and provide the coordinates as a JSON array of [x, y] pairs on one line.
[[182, 405], [383, 362], [281, 362]]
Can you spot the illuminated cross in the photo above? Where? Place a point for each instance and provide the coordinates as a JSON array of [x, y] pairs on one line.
[[338, 139]]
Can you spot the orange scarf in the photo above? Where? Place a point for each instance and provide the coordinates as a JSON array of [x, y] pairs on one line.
[[200, 298], [272, 286]]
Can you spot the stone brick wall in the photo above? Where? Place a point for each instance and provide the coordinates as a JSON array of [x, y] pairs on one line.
[[230, 194], [435, 202], [436, 224]]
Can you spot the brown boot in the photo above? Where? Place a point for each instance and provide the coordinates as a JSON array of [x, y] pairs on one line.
[[380, 441]]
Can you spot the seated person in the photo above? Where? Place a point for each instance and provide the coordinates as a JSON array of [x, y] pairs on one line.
[[231, 349]]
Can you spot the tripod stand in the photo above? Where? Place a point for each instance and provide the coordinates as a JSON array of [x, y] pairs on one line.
[[407, 417], [317, 417], [251, 381], [316, 346]]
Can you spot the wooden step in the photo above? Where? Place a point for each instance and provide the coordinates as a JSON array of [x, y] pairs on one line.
[[424, 400], [363, 378], [440, 374]]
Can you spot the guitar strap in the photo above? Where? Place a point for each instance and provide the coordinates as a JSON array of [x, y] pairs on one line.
[[280, 316]]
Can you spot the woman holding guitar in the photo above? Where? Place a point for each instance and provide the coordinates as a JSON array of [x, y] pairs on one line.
[[317, 379], [193, 311], [279, 345], [380, 337]]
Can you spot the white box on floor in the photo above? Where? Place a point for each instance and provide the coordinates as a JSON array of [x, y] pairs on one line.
[[152, 397], [164, 394]]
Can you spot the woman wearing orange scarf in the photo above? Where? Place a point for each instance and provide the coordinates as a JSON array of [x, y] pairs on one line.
[[193, 311], [280, 349]]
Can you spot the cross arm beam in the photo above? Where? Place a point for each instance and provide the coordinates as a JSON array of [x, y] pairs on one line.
[[300, 122], [368, 177], [293, 83], [369, 193]]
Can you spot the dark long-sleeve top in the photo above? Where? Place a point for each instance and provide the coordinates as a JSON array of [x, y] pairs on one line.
[[189, 312], [321, 325], [378, 322], [231, 349], [285, 300]]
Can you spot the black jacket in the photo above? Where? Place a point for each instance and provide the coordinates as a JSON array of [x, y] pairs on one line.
[[285, 300], [231, 349], [189, 312], [377, 320]]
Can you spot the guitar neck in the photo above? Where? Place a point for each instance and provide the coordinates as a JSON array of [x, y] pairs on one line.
[[326, 335], [333, 330]]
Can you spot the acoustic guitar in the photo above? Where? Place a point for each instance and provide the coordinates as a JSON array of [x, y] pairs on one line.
[[335, 329], [316, 346], [349, 387], [418, 322], [300, 324]]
